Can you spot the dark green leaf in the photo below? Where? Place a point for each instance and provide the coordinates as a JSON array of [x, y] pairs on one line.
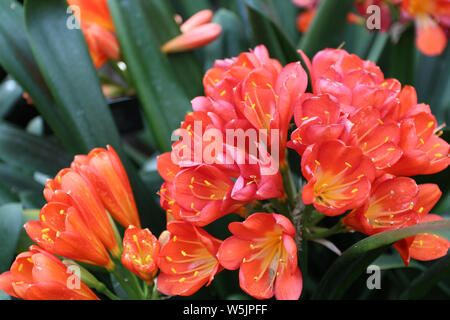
[[7, 195], [402, 57], [10, 92], [10, 226], [429, 278], [17, 59], [66, 65], [17, 180], [162, 97], [24, 241], [355, 259], [267, 32], [19, 148], [187, 8], [232, 41], [325, 30]]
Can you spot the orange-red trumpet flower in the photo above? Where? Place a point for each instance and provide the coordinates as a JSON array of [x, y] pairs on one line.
[[140, 253], [62, 231], [196, 32], [188, 260], [339, 177], [74, 188], [105, 171], [98, 29], [263, 249], [38, 275]]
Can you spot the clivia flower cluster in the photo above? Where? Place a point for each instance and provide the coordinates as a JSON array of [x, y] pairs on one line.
[[430, 17], [360, 137]]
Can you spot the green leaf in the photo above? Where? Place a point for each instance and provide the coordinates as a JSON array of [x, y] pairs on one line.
[[66, 65], [7, 195], [403, 57], [378, 47], [188, 8], [10, 92], [394, 261], [10, 226], [429, 278], [24, 241], [232, 40], [267, 32], [17, 59], [286, 15], [162, 97], [325, 30], [354, 260], [19, 148], [18, 181]]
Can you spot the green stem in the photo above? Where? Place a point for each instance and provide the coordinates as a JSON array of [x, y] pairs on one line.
[[104, 290], [289, 186], [318, 233], [128, 281]]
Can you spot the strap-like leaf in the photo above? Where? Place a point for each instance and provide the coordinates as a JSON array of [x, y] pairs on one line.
[[355, 259]]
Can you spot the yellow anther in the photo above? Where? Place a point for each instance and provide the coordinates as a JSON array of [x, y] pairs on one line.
[[420, 210], [195, 274], [436, 145], [183, 253], [223, 93], [386, 139], [317, 162], [304, 118], [45, 230], [43, 218], [244, 260], [390, 149], [207, 183], [430, 124], [355, 190], [182, 279], [212, 196], [348, 164], [173, 270], [360, 176], [268, 115], [437, 155], [252, 246], [61, 211], [169, 259], [20, 267], [30, 260], [380, 121], [254, 84], [135, 238], [171, 202], [253, 106]]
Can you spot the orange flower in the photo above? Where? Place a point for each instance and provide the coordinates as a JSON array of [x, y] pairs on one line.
[[61, 231], [75, 188], [263, 248], [105, 171], [431, 39], [188, 260], [98, 29], [38, 275], [197, 32], [423, 246], [141, 250], [390, 206], [339, 177]]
